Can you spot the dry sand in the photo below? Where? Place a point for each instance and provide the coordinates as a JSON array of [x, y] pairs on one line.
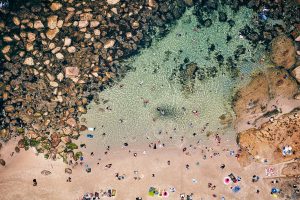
[[17, 175]]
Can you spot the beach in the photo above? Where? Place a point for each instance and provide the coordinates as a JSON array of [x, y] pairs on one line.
[[142, 100], [153, 161]]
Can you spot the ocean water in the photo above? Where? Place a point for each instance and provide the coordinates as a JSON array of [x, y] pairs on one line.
[[163, 96]]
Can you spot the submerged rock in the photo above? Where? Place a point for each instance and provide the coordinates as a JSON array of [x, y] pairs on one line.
[[222, 16], [189, 2], [208, 23], [283, 52]]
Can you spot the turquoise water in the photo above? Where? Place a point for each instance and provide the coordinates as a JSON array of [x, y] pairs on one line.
[[159, 99]]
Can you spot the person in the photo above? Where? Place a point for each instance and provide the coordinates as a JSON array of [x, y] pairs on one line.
[[34, 182], [255, 178]]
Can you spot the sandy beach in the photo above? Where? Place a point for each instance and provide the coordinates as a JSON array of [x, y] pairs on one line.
[[22, 168], [149, 100]]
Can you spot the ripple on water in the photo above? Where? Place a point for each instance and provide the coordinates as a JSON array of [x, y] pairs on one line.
[[178, 87]]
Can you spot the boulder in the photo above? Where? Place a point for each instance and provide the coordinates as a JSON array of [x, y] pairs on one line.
[[109, 43], [296, 73], [52, 21], [112, 2], [7, 39], [17, 149], [53, 84], [29, 61], [83, 24], [283, 52], [55, 6], [66, 139], [6, 49], [71, 49], [55, 140], [21, 143], [67, 130], [59, 56], [31, 36], [29, 47], [71, 122], [189, 2], [67, 41], [71, 72], [16, 21], [4, 133], [60, 76], [97, 32], [152, 3], [94, 24], [38, 24], [51, 33], [9, 108]]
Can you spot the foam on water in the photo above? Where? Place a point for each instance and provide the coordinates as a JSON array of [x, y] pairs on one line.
[[130, 119]]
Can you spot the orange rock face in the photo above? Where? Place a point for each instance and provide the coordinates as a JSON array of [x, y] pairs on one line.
[[265, 128], [283, 52], [267, 142], [254, 100]]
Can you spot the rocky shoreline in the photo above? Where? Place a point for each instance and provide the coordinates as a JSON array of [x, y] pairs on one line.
[[54, 63], [267, 111], [267, 108], [56, 56]]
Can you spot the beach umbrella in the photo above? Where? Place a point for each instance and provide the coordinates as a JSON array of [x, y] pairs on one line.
[[235, 189], [227, 180], [165, 194]]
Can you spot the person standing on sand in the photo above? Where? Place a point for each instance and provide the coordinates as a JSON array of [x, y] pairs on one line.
[[34, 182]]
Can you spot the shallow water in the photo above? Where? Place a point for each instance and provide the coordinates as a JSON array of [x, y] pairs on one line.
[[151, 103]]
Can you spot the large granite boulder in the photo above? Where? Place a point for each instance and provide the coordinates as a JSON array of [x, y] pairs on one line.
[[266, 143], [283, 52]]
